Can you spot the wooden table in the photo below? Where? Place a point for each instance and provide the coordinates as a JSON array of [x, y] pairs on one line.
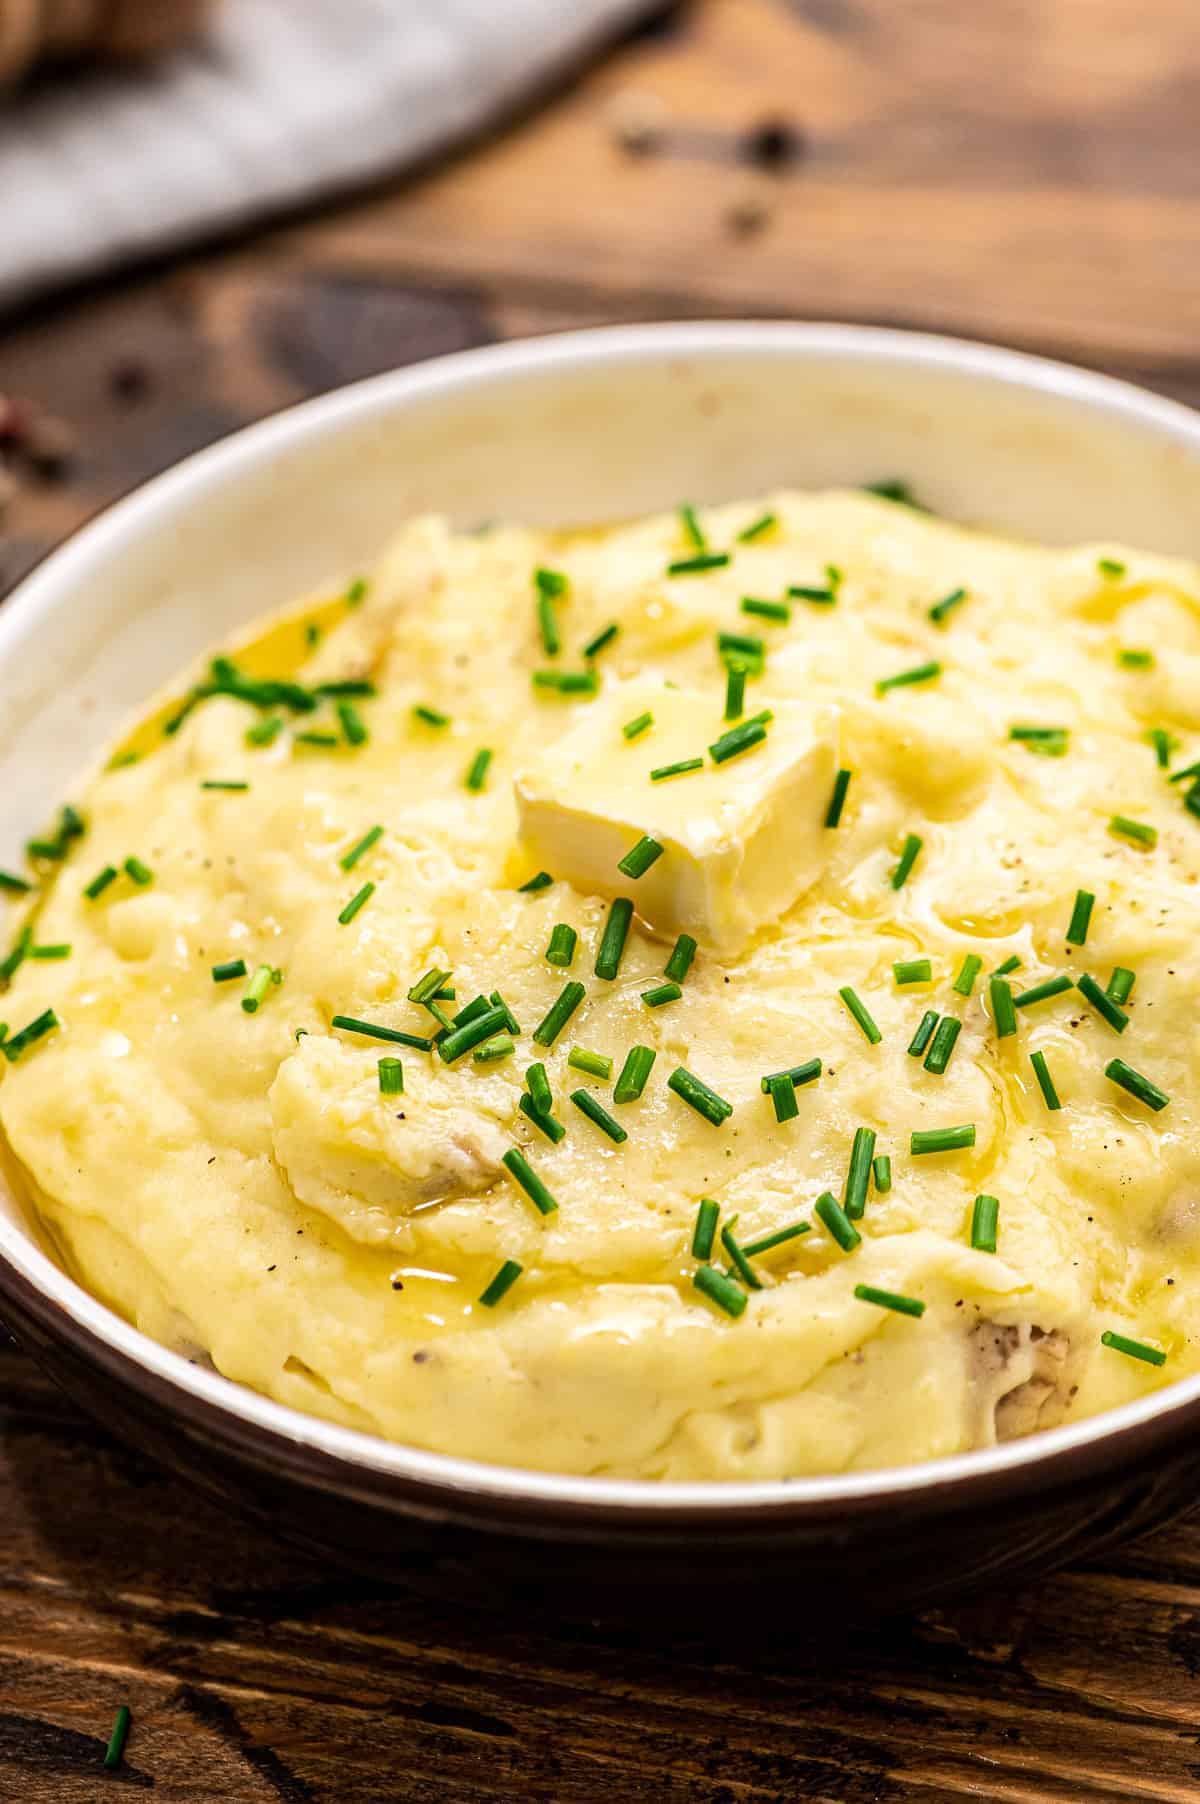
[[1017, 169]]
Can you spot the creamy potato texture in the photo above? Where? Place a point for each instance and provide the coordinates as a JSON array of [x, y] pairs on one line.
[[240, 1186]]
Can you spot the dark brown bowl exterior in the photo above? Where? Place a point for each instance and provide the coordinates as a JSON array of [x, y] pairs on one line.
[[897, 1550]]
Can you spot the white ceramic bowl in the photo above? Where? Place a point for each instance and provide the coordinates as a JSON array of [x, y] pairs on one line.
[[576, 428]]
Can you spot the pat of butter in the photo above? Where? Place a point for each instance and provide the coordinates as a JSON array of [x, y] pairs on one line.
[[741, 840]]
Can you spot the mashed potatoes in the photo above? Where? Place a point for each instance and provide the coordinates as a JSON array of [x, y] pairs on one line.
[[428, 784]]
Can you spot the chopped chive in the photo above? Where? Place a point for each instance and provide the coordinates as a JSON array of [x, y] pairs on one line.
[[1081, 918], [757, 528], [1140, 832], [357, 901], [595, 1111], [372, 1031], [351, 723], [719, 1289], [312, 634], [889, 1299], [737, 1256], [1042, 992], [510, 1021], [964, 983], [1004, 1014], [138, 873], [985, 1214], [924, 1033], [600, 640], [1045, 1082], [639, 1062], [228, 970], [678, 769], [319, 739], [837, 800], [836, 1222], [470, 1034], [114, 1752], [816, 592], [498, 1047], [861, 1013], [120, 760], [782, 1092], [37, 1029], [1120, 985], [755, 1248], [14, 885], [704, 1232], [354, 686], [1110, 566], [550, 582], [17, 955], [698, 1096], [391, 1076], [612, 940], [661, 994], [909, 854], [558, 1014], [680, 961], [1011, 963], [478, 769], [693, 532], [735, 691], [1135, 1349], [542, 1119], [430, 717], [905, 679], [641, 723], [894, 489], [766, 610], [522, 1173], [359, 850], [941, 610], [639, 858], [596, 1064], [858, 1174], [563, 941], [1134, 658], [538, 1085], [737, 740], [356, 592], [695, 566], [942, 1140], [1103, 1003], [265, 731], [796, 1076], [881, 1172], [567, 682], [1164, 744], [1118, 1072], [1046, 742], [542, 880], [260, 984], [501, 1284], [100, 882], [427, 987], [943, 1045], [1181, 776], [913, 970], [547, 624], [230, 788], [749, 650]]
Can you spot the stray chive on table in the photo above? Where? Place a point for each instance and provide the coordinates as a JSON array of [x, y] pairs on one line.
[[1017, 171]]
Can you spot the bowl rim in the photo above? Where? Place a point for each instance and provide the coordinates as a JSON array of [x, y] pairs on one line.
[[310, 1446]]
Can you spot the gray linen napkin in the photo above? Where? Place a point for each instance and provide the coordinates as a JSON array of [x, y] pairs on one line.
[[284, 101]]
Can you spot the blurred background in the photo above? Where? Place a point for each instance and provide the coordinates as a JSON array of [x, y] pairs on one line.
[[211, 208]]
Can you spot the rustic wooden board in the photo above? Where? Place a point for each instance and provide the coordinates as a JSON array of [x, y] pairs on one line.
[[1010, 170]]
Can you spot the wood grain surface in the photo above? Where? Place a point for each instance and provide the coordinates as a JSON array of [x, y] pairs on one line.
[[1024, 170]]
